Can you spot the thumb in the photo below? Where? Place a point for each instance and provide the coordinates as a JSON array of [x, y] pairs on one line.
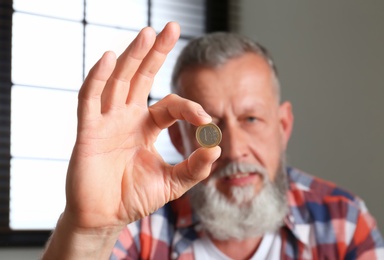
[[193, 170]]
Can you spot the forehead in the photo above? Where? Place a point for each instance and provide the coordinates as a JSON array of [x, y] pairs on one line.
[[247, 77]]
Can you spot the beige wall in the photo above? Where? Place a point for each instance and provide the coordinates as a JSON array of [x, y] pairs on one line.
[[330, 55]]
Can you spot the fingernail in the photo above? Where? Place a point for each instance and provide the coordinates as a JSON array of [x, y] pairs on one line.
[[203, 113], [217, 151]]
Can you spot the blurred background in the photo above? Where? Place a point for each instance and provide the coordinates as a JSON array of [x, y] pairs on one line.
[[329, 56]]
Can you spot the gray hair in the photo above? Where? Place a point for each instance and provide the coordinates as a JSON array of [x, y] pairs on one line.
[[216, 49]]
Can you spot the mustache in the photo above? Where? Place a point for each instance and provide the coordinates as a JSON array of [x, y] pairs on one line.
[[236, 167]]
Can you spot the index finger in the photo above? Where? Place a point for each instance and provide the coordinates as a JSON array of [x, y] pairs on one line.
[[173, 107]]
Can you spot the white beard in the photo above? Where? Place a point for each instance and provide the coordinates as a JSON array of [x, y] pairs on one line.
[[248, 214]]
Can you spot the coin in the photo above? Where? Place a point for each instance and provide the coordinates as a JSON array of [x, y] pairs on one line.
[[208, 135]]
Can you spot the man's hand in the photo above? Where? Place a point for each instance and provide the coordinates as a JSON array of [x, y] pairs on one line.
[[115, 175]]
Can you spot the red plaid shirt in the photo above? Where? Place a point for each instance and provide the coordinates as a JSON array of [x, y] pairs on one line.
[[324, 222]]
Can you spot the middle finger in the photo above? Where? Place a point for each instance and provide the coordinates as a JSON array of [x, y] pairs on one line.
[[117, 87], [142, 81]]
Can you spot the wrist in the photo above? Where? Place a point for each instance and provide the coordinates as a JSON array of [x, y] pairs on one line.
[[69, 241]]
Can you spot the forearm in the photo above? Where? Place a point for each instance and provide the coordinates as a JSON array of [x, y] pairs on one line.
[[68, 242]]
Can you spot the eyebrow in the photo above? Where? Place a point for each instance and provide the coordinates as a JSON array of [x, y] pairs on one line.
[[251, 107]]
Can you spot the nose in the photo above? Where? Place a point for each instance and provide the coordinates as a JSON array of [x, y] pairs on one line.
[[234, 143]]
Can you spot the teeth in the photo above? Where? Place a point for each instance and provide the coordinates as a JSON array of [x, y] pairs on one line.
[[239, 175]]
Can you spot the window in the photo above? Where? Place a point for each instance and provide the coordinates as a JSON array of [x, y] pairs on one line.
[[49, 47]]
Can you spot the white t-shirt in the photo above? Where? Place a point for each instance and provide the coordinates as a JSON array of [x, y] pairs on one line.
[[269, 249]]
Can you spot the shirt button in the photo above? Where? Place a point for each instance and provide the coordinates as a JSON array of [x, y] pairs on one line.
[[174, 255]]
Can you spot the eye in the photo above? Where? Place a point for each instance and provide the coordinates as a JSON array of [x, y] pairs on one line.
[[251, 119]]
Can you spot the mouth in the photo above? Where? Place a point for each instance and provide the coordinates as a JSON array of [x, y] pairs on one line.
[[242, 178], [239, 175]]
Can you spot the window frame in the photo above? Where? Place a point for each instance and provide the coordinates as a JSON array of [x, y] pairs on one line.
[[217, 19]]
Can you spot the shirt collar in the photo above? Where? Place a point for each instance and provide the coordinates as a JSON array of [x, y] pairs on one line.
[[183, 211]]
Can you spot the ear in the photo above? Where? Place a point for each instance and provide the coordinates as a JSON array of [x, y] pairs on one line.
[[175, 135], [286, 122]]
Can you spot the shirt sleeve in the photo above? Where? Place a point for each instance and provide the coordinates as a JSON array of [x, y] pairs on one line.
[[367, 242]]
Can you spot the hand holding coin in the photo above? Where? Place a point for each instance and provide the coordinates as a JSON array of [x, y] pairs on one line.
[[208, 135]]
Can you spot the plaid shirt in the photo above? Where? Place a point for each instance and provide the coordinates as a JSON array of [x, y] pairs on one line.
[[324, 222]]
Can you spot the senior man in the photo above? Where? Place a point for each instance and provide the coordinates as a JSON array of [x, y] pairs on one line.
[[251, 206]]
